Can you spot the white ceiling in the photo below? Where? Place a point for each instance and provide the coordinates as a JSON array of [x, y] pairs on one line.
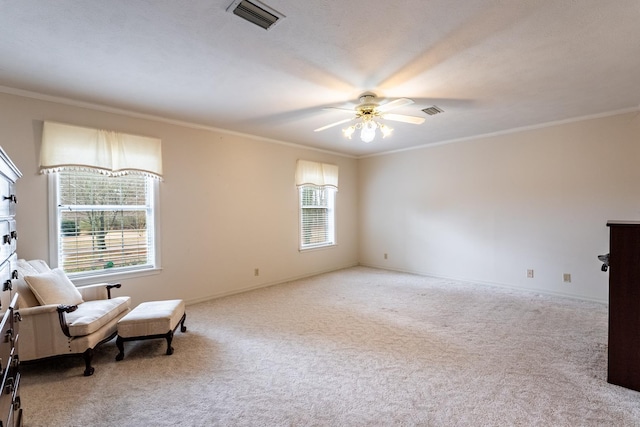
[[491, 65]]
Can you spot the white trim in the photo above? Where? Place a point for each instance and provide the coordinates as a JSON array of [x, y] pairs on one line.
[[129, 113], [114, 277], [54, 234], [492, 284], [507, 131], [267, 284], [53, 223], [332, 193], [191, 125]]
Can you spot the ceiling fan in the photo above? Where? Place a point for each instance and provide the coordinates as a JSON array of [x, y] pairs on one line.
[[367, 114]]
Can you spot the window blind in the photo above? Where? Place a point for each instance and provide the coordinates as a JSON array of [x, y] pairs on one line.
[[316, 216], [104, 222]]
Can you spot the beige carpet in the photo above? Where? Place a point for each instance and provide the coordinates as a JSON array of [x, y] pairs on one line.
[[357, 347]]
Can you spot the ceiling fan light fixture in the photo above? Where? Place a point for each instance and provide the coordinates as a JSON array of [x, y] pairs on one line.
[[386, 130], [367, 129], [348, 131], [368, 114], [368, 132]]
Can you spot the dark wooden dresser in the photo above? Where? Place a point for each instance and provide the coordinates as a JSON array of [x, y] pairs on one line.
[[10, 410], [624, 304]]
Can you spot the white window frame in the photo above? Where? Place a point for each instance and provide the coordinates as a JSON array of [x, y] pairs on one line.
[[106, 275], [331, 219]]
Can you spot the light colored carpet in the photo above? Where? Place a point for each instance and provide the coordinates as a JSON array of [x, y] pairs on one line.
[[357, 347]]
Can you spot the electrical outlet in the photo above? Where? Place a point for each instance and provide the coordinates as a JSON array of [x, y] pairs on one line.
[[566, 278], [530, 274], [256, 272], [385, 256]]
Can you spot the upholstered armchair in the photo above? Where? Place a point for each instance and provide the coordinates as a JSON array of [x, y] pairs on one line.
[[59, 318]]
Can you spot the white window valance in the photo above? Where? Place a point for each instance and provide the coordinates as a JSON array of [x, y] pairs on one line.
[[112, 153], [314, 173]]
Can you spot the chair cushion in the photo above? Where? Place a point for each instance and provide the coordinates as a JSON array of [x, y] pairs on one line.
[[54, 287], [92, 315]]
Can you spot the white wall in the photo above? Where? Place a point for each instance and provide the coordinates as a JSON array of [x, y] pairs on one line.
[[483, 210], [228, 203], [489, 209]]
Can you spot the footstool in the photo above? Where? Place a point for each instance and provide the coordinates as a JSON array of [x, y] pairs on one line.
[[153, 319]]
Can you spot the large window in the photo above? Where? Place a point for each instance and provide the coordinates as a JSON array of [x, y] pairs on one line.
[[317, 216], [104, 224]]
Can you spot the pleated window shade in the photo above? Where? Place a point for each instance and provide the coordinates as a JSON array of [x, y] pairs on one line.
[[314, 173]]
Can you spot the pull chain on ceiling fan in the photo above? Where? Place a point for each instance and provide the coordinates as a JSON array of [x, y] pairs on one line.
[[368, 113]]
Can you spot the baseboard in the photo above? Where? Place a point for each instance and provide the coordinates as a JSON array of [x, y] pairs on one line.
[[493, 284], [266, 284]]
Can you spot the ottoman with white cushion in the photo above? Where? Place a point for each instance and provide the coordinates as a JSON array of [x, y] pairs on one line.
[[153, 319]]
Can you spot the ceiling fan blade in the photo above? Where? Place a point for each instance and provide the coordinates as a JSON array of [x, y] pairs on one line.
[[401, 102], [402, 118], [342, 110], [333, 124]]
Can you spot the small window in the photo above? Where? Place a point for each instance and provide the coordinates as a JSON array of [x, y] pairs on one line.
[[104, 224], [317, 216]]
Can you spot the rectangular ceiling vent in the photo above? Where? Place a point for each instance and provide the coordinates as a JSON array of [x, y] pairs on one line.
[[256, 12], [433, 110]]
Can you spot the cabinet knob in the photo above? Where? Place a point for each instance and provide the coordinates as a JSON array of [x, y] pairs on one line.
[[7, 286], [11, 198]]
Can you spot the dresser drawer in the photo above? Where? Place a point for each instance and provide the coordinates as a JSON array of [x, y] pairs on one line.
[[9, 394], [8, 238], [8, 272], [6, 343], [8, 198]]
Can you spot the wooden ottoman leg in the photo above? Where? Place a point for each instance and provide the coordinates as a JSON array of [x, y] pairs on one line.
[[120, 344], [169, 339], [182, 327], [169, 335]]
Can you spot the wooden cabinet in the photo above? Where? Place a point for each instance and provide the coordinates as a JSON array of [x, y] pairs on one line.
[[624, 304], [10, 410]]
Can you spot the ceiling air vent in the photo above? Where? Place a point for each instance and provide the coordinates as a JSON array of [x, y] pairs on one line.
[[256, 12], [433, 110]]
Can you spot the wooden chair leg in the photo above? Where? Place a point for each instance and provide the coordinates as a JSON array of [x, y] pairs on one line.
[[88, 356]]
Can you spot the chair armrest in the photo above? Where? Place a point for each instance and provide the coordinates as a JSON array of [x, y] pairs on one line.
[[41, 334], [97, 291], [46, 314], [62, 309], [112, 286], [38, 310]]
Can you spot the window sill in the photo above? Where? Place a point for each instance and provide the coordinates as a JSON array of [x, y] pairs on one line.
[[87, 279], [318, 248]]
